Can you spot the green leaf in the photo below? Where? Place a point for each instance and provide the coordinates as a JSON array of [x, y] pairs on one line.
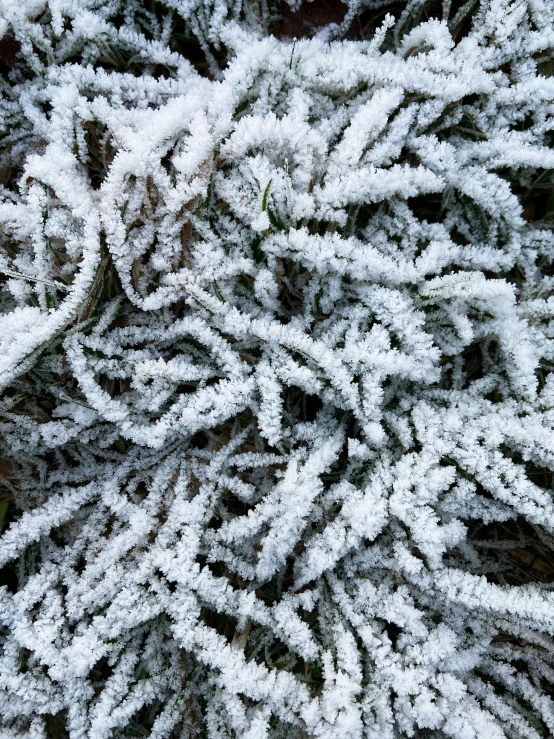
[[100, 354], [259, 253], [275, 221], [265, 196], [218, 292], [123, 209]]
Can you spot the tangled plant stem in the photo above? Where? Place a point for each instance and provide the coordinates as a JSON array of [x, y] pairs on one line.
[[277, 414]]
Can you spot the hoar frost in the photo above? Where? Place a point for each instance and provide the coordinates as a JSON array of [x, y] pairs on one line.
[[266, 376]]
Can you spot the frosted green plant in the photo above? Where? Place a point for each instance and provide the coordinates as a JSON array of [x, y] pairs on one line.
[[275, 353]]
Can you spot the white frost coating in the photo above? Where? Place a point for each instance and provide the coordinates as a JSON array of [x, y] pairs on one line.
[[275, 345], [27, 329]]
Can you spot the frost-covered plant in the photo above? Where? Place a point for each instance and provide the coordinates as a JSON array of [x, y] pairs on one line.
[[275, 352], [120, 32]]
